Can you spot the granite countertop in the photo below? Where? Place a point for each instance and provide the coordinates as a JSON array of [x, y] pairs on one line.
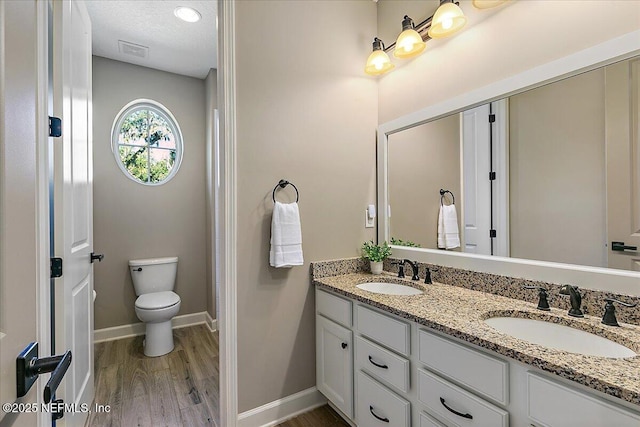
[[460, 312]]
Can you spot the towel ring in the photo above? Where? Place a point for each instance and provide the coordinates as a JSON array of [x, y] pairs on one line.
[[442, 193], [283, 183]]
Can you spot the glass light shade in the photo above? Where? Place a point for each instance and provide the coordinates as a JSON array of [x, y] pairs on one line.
[[447, 20], [378, 63], [409, 44], [487, 4]]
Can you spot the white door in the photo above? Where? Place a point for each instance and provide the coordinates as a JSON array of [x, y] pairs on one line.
[[485, 201], [23, 216], [73, 212], [476, 187], [622, 110]]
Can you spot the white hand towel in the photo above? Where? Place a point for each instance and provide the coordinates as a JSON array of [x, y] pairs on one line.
[[286, 236], [448, 232]]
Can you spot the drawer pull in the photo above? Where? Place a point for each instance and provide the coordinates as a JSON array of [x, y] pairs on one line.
[[460, 414], [384, 420], [344, 345], [378, 365]]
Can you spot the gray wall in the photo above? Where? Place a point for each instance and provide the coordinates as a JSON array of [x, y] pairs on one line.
[[136, 221], [307, 113], [557, 172], [421, 161]]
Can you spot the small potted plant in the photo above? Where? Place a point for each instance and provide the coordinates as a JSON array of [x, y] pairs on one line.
[[375, 254]]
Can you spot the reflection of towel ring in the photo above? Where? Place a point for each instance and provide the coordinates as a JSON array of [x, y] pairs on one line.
[[283, 183], [442, 193]]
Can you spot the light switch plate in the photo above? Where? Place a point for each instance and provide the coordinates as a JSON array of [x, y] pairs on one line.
[[368, 222]]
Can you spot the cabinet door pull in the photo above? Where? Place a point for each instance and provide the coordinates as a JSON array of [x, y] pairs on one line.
[[344, 345], [460, 414], [384, 420], [376, 364]]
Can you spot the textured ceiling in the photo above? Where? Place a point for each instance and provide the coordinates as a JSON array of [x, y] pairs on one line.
[[174, 45]]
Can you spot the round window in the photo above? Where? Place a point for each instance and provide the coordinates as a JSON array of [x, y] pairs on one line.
[[147, 142]]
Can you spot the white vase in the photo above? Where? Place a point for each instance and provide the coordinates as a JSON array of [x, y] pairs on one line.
[[376, 267]]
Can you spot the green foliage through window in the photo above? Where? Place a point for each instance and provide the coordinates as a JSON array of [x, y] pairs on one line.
[[147, 145]]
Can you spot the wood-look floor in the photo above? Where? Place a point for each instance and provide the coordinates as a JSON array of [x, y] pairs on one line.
[[175, 390], [324, 416], [179, 389]]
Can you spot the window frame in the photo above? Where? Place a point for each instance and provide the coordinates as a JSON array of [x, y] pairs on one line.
[[165, 113]]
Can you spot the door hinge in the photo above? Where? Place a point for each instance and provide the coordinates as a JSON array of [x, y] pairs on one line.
[[56, 267], [55, 127], [492, 118], [492, 234], [492, 176]]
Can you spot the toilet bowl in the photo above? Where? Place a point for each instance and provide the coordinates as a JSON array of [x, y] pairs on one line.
[[157, 304]]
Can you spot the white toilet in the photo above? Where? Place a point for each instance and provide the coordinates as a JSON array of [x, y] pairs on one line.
[[157, 304]]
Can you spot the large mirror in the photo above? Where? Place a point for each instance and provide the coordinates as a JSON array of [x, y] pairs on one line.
[[548, 174]]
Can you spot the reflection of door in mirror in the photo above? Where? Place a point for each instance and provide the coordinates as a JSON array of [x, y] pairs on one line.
[[421, 161], [623, 162]]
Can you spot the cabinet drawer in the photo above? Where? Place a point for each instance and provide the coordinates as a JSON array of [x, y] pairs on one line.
[[552, 404], [443, 398], [376, 406], [480, 372], [386, 330], [333, 307], [382, 364], [428, 421]]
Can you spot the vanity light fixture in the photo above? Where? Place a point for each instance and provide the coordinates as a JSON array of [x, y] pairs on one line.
[[378, 62], [187, 14], [447, 20], [409, 42]]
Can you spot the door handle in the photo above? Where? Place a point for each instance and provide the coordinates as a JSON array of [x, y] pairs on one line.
[[620, 246], [29, 367], [95, 257]]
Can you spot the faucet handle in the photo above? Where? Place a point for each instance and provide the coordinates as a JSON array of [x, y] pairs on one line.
[[427, 276], [609, 317], [400, 265], [543, 303]]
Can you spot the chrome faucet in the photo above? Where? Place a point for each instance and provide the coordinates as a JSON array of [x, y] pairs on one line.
[[575, 298], [414, 267]]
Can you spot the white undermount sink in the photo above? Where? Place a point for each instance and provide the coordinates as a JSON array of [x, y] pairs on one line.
[[389, 288], [559, 337]]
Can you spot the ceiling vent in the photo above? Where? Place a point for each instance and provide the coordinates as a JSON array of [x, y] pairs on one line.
[[133, 49]]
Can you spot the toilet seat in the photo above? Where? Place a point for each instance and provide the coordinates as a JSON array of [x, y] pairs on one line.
[[157, 300]]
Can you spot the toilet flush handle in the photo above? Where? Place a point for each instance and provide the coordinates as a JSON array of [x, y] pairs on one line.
[[137, 269]]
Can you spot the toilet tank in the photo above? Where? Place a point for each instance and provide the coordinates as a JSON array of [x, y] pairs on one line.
[[153, 274]]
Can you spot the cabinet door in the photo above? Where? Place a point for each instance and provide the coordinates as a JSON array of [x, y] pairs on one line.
[[334, 364]]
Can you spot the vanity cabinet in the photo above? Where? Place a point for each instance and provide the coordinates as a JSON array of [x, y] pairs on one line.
[[552, 404], [381, 370], [334, 352]]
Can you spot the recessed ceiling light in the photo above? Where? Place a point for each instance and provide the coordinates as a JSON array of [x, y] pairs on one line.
[[187, 14]]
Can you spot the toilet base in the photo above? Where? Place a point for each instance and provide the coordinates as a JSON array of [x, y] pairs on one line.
[[159, 339]]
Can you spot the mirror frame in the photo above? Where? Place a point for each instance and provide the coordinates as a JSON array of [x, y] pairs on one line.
[[619, 281]]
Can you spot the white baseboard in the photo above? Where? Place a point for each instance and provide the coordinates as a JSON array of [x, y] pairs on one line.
[[211, 322], [135, 329], [281, 410]]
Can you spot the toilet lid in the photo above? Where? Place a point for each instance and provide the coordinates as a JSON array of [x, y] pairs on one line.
[[157, 300]]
